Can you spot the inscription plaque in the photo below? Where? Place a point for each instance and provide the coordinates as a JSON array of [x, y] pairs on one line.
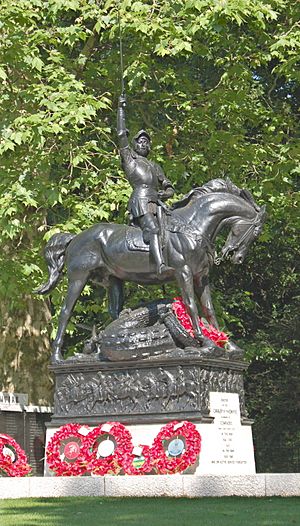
[[227, 445]]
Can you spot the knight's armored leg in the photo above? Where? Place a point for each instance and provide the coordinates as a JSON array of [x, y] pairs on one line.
[[151, 235], [156, 252]]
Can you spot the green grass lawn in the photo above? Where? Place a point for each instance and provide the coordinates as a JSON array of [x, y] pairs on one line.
[[92, 511]]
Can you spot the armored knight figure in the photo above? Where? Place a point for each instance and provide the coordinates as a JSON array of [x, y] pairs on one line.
[[149, 183]]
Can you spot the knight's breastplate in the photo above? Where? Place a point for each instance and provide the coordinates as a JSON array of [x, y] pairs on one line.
[[143, 175]]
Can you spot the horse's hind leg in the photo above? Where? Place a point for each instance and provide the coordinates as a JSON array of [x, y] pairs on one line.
[[115, 297], [74, 290]]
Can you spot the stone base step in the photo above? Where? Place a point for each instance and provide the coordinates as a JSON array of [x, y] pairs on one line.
[[259, 485]]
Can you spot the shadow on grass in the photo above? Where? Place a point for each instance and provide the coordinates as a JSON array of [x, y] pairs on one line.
[[92, 511]]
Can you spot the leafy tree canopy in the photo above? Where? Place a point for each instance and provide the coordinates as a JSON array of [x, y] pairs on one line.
[[216, 83]]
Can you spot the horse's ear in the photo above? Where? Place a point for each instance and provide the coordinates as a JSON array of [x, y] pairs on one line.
[[246, 194], [262, 214], [263, 210]]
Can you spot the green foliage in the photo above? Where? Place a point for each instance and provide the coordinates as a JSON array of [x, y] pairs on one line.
[[216, 83], [272, 390]]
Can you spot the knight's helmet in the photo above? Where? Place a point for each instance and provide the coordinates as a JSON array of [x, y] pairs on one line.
[[141, 133]]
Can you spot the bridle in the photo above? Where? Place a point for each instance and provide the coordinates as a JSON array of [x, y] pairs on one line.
[[253, 224]]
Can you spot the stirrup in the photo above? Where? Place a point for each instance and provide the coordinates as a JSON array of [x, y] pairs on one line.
[[162, 268]]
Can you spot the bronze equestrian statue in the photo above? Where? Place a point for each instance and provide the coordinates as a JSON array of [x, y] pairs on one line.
[[117, 253], [145, 177]]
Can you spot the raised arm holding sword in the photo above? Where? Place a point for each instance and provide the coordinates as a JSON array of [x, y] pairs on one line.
[[149, 183]]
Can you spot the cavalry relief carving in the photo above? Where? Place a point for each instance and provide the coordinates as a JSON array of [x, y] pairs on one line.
[[138, 391]]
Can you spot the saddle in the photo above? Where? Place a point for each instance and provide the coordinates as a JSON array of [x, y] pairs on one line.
[[134, 235], [134, 240]]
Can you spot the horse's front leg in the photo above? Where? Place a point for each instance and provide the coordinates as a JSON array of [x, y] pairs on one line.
[[74, 290], [185, 281], [203, 294]]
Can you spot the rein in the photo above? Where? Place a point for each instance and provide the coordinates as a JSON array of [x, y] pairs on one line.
[[252, 225], [182, 227], [246, 234]]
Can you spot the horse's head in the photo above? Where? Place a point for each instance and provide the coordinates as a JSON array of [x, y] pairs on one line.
[[243, 232]]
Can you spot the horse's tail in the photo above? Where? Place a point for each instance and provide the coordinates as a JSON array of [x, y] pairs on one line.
[[55, 259]]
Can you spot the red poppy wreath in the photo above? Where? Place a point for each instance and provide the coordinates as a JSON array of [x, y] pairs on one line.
[[175, 448], [13, 460], [138, 461], [64, 450], [179, 309], [105, 447]]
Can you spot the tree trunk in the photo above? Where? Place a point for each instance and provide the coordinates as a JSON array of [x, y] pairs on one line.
[[25, 350]]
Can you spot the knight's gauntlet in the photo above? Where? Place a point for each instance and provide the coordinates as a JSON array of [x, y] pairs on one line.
[[121, 124]]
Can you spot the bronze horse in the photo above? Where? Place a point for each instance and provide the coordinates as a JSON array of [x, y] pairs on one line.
[[116, 253]]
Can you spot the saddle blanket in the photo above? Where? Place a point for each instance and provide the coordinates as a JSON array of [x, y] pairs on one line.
[[134, 240]]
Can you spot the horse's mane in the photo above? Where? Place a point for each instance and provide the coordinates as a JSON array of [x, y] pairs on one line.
[[217, 185]]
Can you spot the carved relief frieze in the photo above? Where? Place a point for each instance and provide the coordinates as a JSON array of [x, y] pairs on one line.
[[160, 389], [163, 389]]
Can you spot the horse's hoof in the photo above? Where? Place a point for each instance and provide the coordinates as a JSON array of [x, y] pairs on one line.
[[57, 361], [209, 348], [57, 358], [204, 343], [234, 351], [163, 269]]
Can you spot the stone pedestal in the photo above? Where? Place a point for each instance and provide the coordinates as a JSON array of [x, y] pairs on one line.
[[145, 395], [143, 392]]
